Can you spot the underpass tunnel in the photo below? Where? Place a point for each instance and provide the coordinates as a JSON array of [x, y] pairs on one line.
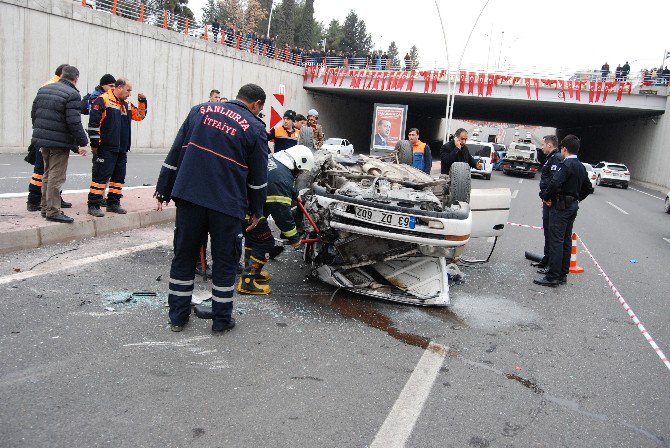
[[639, 138]]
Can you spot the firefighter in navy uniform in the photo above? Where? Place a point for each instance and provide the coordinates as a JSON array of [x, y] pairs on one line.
[[554, 157], [283, 169], [109, 131], [569, 185], [216, 172]]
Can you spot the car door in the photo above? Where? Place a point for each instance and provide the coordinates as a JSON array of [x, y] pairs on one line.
[[490, 211]]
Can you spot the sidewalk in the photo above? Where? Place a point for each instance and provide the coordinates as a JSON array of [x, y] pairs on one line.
[[21, 229]]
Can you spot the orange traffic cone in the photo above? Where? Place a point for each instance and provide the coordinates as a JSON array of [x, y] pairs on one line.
[[574, 268]]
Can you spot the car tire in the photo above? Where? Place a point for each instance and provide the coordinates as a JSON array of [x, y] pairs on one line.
[[459, 183], [667, 204], [598, 181], [505, 172], [624, 186], [487, 176], [404, 150]]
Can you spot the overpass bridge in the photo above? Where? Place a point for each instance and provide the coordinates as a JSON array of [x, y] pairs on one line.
[[617, 120]]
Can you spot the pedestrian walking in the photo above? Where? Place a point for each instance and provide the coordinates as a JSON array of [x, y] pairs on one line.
[[216, 172], [455, 150], [569, 185], [554, 158], [57, 130], [422, 159], [109, 130], [283, 169], [33, 204]]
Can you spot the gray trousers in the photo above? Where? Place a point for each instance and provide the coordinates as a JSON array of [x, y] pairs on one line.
[[55, 168]]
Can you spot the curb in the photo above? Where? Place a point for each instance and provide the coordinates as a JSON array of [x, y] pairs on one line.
[[34, 237]]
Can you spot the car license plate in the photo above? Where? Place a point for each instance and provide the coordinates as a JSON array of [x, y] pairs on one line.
[[389, 219]]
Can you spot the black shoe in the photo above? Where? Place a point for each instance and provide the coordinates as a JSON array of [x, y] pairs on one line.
[[275, 251], [94, 210], [538, 264], [203, 311], [563, 279], [44, 214], [220, 327], [198, 270], [543, 271], [103, 203], [61, 217], [64, 204], [545, 281], [116, 208], [33, 207], [178, 327]]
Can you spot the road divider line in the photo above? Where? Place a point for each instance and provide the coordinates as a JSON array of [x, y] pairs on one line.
[[628, 309], [50, 269], [515, 193], [520, 181], [618, 208], [648, 194], [525, 226], [24, 194], [406, 410]]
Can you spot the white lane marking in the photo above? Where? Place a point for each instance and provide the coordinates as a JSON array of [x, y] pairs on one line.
[[667, 240], [644, 192], [514, 193], [491, 239], [400, 422], [618, 208], [628, 309], [4, 164], [56, 267], [21, 195], [12, 177], [520, 181]]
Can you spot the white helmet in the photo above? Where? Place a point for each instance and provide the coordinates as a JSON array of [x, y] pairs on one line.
[[297, 157]]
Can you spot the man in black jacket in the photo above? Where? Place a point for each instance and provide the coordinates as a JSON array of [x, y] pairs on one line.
[[456, 151], [57, 130]]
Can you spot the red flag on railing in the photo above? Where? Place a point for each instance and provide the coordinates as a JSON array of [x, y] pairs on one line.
[[515, 80], [410, 80], [435, 78], [461, 81], [609, 85], [344, 74], [304, 75], [619, 93], [490, 82], [561, 84], [592, 90], [527, 81], [326, 75], [599, 90], [401, 82], [578, 90], [570, 89], [536, 83], [480, 84], [472, 77]]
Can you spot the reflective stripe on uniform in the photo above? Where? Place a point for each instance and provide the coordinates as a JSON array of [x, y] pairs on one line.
[[180, 293], [291, 233], [181, 282], [222, 299], [170, 167], [223, 288], [279, 199], [257, 187]]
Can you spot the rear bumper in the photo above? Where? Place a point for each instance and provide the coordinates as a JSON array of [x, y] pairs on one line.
[[614, 180]]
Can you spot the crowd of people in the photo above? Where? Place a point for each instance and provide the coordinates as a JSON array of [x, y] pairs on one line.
[[656, 76], [58, 129]]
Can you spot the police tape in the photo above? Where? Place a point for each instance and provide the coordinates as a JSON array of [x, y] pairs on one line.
[[617, 294], [628, 309], [525, 226]]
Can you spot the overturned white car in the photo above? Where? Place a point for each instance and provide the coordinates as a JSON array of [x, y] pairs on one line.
[[390, 231]]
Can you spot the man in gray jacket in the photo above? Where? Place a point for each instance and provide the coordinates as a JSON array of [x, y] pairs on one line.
[[57, 130]]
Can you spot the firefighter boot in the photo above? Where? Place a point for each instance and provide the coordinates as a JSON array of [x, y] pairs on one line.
[[252, 282]]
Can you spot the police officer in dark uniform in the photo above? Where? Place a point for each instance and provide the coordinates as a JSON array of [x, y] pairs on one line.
[[569, 185], [216, 172], [554, 157]]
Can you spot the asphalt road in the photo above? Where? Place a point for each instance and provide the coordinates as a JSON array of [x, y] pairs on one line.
[[142, 169], [521, 365]]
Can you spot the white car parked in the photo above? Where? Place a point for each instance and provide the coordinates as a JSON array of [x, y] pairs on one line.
[[608, 173], [340, 146], [483, 152], [667, 203], [591, 173]]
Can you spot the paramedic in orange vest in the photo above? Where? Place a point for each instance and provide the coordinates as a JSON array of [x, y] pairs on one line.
[[422, 159], [285, 135]]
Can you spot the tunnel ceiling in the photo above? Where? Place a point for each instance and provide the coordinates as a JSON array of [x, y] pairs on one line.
[[560, 115]]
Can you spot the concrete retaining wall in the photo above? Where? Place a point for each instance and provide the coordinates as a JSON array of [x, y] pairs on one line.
[[174, 71], [642, 144]]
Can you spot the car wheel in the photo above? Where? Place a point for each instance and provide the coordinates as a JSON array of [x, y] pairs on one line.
[[404, 149], [624, 186], [459, 183], [667, 204], [487, 176], [598, 182]]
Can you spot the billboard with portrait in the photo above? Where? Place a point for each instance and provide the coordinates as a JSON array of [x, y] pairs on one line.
[[388, 127]]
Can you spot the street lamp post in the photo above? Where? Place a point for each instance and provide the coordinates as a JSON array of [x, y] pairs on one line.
[[272, 4]]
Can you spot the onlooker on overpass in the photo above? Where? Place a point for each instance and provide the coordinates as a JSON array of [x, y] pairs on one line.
[[605, 71], [57, 130], [625, 71], [216, 27]]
